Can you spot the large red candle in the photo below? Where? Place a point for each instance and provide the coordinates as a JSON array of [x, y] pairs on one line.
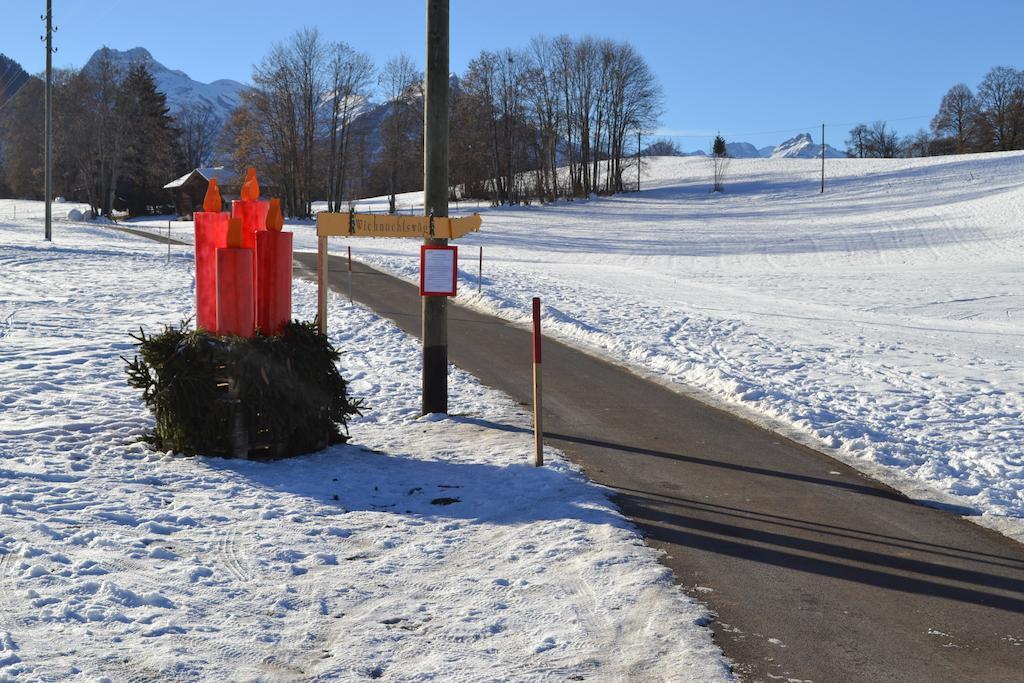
[[273, 274], [254, 216], [252, 211], [235, 285], [211, 233]]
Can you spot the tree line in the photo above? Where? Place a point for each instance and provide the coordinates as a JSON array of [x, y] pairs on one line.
[[115, 143], [322, 121], [988, 119], [516, 118]]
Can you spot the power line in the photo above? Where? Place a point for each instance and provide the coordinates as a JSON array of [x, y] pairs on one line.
[[733, 134], [11, 78]]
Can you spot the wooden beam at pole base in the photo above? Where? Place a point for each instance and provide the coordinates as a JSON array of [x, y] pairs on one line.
[[538, 393], [322, 280]]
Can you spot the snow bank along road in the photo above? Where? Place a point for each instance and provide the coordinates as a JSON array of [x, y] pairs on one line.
[[881, 322], [814, 571], [425, 550]]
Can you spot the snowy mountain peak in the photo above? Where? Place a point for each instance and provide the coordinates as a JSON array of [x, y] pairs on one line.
[[802, 147], [797, 146], [222, 96]]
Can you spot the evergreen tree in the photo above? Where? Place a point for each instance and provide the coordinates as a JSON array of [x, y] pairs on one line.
[[21, 142], [719, 163], [150, 150], [718, 147]]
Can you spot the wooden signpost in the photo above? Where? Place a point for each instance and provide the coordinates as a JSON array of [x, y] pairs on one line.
[[393, 225], [379, 225]]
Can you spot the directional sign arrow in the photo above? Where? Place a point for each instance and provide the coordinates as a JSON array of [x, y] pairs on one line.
[[330, 224]]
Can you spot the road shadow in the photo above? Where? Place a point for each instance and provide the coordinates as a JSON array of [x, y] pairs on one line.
[[884, 560], [875, 491], [834, 530], [674, 523]]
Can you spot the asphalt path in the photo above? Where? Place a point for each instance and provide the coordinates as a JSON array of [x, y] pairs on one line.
[[813, 570]]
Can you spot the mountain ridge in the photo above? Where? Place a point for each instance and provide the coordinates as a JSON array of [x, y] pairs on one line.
[[182, 91], [800, 146]]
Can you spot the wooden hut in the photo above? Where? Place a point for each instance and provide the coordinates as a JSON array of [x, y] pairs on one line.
[[190, 189]]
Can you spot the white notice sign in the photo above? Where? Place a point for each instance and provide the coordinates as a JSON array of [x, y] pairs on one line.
[[438, 270]]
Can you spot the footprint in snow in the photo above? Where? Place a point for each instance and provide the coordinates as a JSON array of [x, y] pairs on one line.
[[547, 644]]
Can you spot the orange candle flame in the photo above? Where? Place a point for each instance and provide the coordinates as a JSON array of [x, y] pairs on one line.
[[251, 186], [275, 219], [211, 203], [235, 233]]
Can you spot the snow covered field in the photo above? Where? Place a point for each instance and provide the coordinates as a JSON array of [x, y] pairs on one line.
[[882, 322], [427, 549]]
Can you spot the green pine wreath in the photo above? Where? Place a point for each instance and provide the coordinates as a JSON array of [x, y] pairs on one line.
[[288, 388]]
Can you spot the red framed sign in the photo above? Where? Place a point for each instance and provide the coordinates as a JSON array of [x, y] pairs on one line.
[[438, 270]]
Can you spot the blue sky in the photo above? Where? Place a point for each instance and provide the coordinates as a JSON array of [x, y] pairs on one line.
[[756, 71]]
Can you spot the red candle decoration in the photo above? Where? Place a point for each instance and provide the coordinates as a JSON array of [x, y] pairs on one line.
[[211, 233], [252, 211], [235, 285], [273, 273]]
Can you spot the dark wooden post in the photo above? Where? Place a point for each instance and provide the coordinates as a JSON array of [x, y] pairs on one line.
[[823, 158], [48, 126], [435, 193]]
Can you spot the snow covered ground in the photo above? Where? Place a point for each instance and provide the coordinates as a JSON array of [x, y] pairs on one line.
[[427, 549], [882, 322]]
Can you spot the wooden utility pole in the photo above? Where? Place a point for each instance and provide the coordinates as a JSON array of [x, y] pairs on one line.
[[823, 158], [435, 194], [48, 126]]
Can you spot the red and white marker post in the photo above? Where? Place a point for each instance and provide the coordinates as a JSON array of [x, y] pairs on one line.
[[538, 423]]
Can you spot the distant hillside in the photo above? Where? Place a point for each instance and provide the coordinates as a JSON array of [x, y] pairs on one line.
[[741, 150], [12, 77], [181, 90]]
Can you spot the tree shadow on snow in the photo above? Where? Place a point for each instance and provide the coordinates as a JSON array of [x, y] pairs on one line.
[[354, 478]]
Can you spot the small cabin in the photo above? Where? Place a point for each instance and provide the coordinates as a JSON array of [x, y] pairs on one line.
[[190, 189]]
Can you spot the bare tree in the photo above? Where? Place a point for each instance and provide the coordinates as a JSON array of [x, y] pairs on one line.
[[876, 141], [545, 113], [105, 129], [1001, 105], [279, 123], [402, 84], [663, 147], [198, 131], [957, 117], [562, 104], [920, 144], [635, 105], [350, 74], [308, 67], [857, 143]]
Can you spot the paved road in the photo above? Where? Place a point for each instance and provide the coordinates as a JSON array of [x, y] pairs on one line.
[[150, 235], [814, 571]]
